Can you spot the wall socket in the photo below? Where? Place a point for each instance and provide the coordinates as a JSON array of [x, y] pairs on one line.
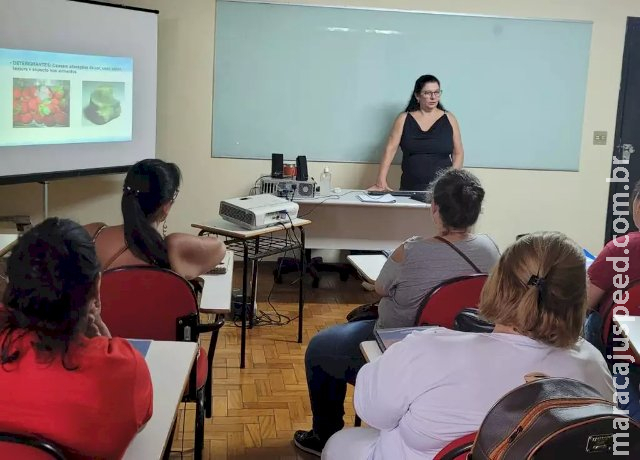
[[599, 138]]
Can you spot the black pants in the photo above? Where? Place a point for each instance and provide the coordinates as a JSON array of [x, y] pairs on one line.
[[418, 171]]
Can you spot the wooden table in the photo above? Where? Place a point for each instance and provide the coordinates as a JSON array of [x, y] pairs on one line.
[[254, 245], [368, 265], [170, 365]]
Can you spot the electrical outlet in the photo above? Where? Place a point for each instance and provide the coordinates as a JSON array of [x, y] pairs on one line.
[[599, 138]]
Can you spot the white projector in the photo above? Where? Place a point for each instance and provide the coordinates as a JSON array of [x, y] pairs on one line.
[[258, 211]]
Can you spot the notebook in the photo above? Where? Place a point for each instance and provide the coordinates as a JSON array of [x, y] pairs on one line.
[[141, 345], [387, 337], [221, 268], [589, 258]]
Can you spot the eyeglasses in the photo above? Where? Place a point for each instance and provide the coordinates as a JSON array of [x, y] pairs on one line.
[[435, 94]]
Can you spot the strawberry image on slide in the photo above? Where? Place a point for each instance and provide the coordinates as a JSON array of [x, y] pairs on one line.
[[40, 103]]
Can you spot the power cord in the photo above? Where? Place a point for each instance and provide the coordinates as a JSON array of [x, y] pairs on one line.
[[276, 318], [328, 197]]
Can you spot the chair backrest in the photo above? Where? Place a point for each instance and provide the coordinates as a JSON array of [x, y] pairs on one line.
[[632, 305], [447, 299], [23, 447], [144, 302], [458, 449]]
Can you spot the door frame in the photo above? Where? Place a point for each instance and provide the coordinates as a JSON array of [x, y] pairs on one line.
[[617, 139]]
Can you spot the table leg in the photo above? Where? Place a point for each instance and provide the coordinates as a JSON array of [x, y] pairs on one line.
[[254, 281], [301, 284], [243, 313]]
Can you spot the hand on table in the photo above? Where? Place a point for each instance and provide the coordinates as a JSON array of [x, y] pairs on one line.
[[380, 187]]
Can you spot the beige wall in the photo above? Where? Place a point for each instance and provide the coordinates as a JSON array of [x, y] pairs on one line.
[[517, 201]]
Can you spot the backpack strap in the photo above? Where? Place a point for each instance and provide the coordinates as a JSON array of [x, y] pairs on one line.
[[533, 376], [115, 256], [462, 254]]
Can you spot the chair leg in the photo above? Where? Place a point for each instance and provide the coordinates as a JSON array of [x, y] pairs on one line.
[[357, 421], [167, 449], [208, 396], [199, 429], [208, 399]]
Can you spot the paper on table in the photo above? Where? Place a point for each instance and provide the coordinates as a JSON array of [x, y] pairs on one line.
[[387, 198]]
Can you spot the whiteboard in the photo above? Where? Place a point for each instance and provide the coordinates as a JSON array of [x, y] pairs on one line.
[[328, 82]]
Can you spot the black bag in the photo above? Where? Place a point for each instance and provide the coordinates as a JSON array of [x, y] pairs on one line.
[[363, 312], [555, 418], [469, 320]]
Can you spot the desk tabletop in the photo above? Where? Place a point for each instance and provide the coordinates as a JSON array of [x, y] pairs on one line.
[[368, 265], [219, 226], [216, 293], [370, 350], [350, 198], [170, 365], [633, 323], [7, 241]]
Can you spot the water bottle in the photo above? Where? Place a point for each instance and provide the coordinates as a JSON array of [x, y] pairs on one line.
[[325, 182]]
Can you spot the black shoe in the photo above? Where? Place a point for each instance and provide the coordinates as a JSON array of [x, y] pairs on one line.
[[309, 442]]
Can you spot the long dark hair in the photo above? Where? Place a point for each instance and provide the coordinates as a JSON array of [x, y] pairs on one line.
[[149, 185], [459, 195], [52, 275], [413, 104]]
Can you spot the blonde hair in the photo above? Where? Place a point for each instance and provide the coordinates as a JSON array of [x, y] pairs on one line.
[[539, 288]]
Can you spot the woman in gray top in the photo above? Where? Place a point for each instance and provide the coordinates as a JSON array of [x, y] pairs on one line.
[[333, 357]]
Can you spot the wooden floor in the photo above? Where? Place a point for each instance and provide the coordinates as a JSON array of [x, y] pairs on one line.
[[257, 409]]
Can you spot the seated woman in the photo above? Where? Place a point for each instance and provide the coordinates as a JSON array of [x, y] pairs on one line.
[[150, 188], [605, 278], [437, 385], [62, 377], [333, 356], [602, 271]]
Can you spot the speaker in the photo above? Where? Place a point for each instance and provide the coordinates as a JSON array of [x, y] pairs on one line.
[[301, 166], [277, 160]]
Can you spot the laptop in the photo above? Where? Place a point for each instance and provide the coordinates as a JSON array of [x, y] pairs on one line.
[[387, 337]]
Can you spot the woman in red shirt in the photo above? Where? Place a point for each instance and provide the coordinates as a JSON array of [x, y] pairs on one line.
[[62, 377]]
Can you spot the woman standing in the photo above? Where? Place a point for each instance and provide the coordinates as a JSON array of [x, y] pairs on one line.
[[428, 135]]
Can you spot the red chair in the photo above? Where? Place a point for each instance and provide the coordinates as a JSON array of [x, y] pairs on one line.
[[632, 305], [18, 446], [447, 299], [458, 449], [147, 302]]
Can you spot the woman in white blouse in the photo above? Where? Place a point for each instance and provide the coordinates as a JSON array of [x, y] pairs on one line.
[[437, 385]]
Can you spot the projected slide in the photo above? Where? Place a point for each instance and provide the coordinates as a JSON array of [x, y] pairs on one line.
[[59, 98]]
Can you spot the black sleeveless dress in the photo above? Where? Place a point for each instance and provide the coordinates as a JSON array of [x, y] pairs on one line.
[[424, 153]]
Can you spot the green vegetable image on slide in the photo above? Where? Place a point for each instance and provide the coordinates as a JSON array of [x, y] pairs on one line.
[[103, 106]]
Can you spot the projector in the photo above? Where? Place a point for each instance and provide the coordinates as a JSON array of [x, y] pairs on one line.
[[258, 211]]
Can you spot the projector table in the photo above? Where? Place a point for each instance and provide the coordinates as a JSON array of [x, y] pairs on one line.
[[253, 245]]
